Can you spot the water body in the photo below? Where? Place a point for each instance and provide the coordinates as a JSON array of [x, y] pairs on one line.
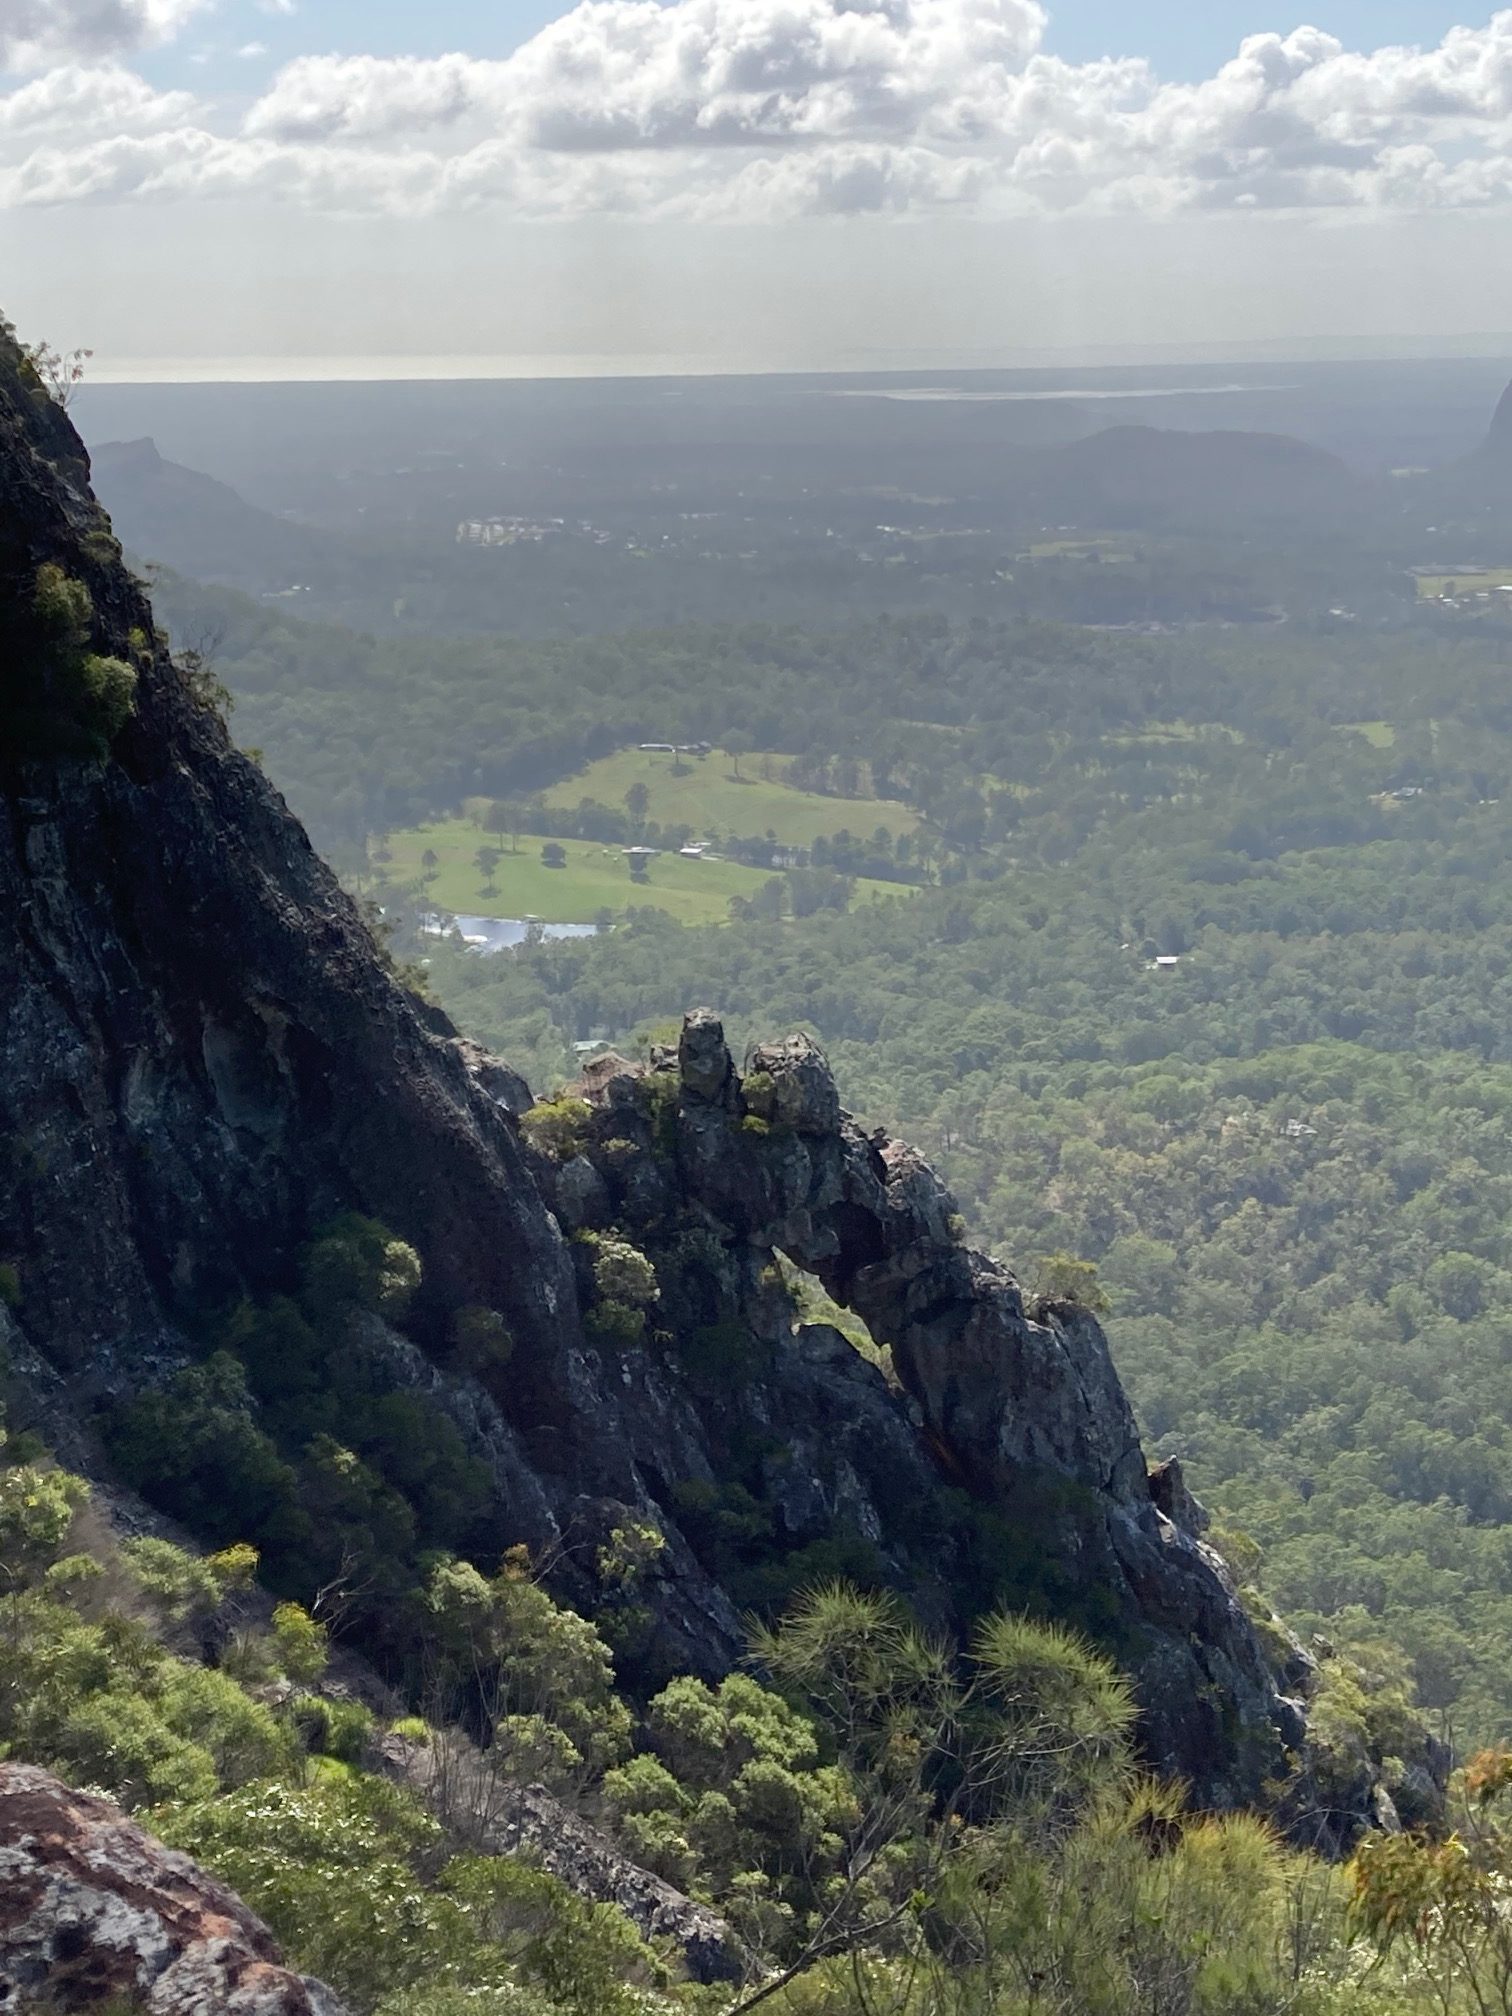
[[501, 934], [926, 394]]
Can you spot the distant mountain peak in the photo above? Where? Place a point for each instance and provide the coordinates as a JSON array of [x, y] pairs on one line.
[[138, 458]]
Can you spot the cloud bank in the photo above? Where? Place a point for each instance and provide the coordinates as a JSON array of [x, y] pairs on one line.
[[37, 33], [731, 109]]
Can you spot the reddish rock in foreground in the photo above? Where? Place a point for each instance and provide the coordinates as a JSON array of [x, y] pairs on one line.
[[92, 1907]]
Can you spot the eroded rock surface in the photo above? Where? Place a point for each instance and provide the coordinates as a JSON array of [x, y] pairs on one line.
[[92, 1907]]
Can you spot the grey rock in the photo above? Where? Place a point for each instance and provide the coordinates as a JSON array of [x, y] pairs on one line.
[[1169, 1494], [703, 1059], [581, 1195], [801, 1093], [494, 1078]]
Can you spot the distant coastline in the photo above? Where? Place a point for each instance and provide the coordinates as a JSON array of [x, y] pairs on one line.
[[525, 367]]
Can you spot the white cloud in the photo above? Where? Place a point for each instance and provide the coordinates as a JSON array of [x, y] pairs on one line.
[[83, 103], [762, 108], [36, 33]]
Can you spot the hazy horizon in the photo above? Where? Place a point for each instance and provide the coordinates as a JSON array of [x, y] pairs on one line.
[[264, 189], [398, 369]]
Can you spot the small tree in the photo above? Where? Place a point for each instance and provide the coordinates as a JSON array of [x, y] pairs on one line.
[[554, 855], [638, 803], [486, 861], [59, 372], [1061, 1277], [430, 865], [1439, 1907], [302, 1643], [738, 744]]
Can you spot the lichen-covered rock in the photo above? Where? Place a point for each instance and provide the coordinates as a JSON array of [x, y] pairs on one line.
[[92, 1907], [581, 1195]]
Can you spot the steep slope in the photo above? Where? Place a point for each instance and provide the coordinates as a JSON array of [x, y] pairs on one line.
[[203, 1060]]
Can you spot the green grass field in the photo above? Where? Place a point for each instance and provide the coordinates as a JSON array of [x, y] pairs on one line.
[[1379, 734], [1177, 731], [595, 878], [1434, 585], [709, 797]]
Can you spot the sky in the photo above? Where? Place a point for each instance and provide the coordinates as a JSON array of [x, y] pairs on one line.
[[271, 187]]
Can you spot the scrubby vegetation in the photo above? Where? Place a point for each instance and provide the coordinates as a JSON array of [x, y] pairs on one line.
[[59, 695], [306, 1429], [884, 1821]]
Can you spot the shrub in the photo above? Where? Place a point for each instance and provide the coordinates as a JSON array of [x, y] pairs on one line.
[[181, 1586], [59, 697], [120, 1742], [339, 1729], [329, 1867], [303, 1647], [356, 1263], [558, 1127], [615, 1325], [621, 1272], [1061, 1277], [480, 1339], [196, 1451]]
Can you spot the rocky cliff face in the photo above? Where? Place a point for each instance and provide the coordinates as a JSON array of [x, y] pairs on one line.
[[203, 1058]]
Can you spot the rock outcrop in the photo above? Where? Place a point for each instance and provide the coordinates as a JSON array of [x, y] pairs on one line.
[[92, 1908], [203, 1059], [493, 1818], [1023, 1413]]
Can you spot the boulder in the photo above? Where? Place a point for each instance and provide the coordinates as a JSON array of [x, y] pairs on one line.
[[92, 1907]]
